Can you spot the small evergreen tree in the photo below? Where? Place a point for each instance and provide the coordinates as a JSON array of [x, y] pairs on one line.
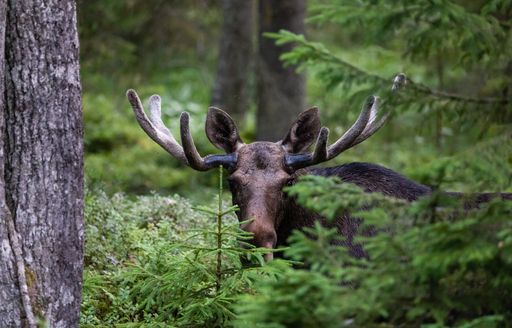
[[190, 282]]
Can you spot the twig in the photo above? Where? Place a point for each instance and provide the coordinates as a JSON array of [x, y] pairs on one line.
[[417, 86], [452, 96]]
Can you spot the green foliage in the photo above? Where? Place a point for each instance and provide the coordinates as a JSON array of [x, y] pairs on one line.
[[440, 27], [119, 232], [153, 261], [116, 226], [456, 58], [115, 34], [157, 262], [154, 46], [299, 298], [330, 198], [485, 166], [431, 263]]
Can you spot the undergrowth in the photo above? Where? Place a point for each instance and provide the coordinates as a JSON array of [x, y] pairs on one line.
[[158, 262], [438, 262]]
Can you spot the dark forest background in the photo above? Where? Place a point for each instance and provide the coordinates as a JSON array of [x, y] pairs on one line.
[[172, 48]]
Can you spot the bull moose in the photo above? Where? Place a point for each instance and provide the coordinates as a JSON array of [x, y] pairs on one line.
[[258, 171]]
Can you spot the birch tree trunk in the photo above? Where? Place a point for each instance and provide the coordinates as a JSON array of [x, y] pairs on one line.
[[281, 90], [41, 164], [230, 91]]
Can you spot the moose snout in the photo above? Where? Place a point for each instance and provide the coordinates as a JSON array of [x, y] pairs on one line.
[[263, 236]]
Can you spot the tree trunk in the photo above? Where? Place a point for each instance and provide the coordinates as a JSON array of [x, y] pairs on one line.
[[230, 91], [280, 90], [10, 300], [41, 159]]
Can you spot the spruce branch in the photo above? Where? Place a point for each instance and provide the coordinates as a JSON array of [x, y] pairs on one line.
[[455, 97], [308, 53]]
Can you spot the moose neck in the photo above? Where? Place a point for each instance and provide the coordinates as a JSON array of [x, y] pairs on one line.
[[371, 178]]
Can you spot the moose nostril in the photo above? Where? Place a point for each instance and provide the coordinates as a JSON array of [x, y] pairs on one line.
[[262, 236], [266, 239]]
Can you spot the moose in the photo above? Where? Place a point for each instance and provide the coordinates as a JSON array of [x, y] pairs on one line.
[[259, 171]]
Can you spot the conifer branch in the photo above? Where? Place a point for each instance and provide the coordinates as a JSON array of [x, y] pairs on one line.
[[306, 52], [418, 87]]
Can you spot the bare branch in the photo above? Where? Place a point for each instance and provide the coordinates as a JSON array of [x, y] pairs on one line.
[[20, 267]]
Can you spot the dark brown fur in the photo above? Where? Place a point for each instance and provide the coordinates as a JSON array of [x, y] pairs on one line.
[[371, 178], [259, 177], [258, 180]]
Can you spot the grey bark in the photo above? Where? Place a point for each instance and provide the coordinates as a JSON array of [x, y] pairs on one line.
[[41, 162], [230, 91], [10, 297], [280, 90]]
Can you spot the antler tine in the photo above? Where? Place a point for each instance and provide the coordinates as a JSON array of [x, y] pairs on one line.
[[373, 125], [355, 130], [155, 115], [365, 126], [322, 153], [156, 130], [399, 82], [319, 154], [194, 159], [355, 135], [154, 127]]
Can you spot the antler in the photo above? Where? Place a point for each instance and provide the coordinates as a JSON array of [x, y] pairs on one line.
[[364, 127], [156, 130]]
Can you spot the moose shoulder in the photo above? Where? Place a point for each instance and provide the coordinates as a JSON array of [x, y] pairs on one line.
[[258, 171]]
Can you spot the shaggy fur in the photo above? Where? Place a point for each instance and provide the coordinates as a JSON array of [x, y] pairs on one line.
[[370, 177]]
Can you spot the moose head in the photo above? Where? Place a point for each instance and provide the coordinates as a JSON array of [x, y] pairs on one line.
[[258, 171]]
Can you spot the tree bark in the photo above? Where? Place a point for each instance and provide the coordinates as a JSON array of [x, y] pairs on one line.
[[230, 91], [10, 297], [41, 164], [280, 90]]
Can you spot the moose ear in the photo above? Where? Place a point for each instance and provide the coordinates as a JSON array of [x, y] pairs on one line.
[[221, 130], [303, 131]]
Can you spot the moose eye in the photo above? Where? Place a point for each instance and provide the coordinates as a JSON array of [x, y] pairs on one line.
[[232, 183], [289, 182]]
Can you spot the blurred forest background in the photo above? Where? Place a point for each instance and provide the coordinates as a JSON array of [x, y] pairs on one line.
[[171, 48], [450, 128]]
